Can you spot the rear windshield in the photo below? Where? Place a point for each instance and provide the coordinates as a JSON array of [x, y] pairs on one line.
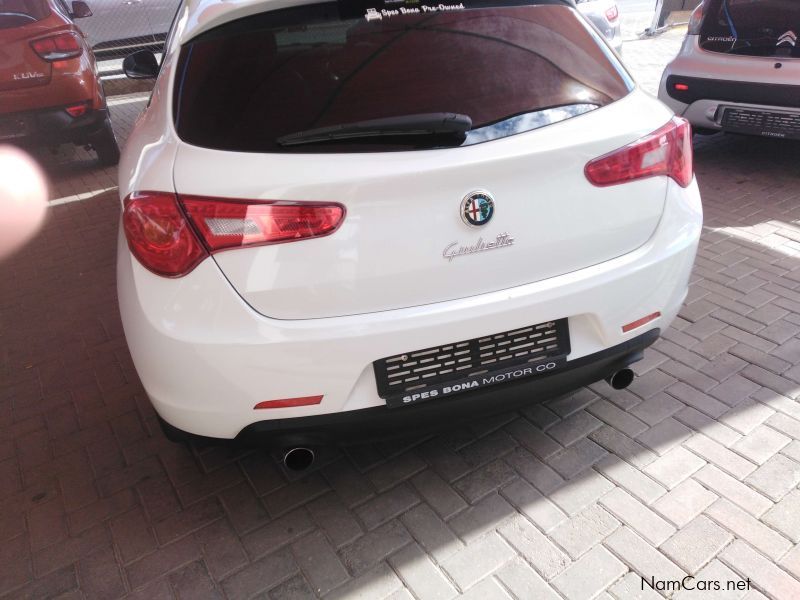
[[752, 27], [16, 13], [510, 69]]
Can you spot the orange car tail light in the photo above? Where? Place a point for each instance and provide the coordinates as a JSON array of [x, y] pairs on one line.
[[58, 47]]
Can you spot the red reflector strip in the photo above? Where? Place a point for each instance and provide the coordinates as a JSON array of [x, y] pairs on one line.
[[640, 322], [289, 402], [681, 87]]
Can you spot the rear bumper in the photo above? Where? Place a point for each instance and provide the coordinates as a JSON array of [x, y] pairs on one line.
[[206, 358], [50, 126], [753, 87], [381, 422]]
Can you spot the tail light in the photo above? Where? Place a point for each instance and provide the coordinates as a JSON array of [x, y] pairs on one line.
[[235, 223], [76, 110], [696, 20], [612, 13], [667, 151], [159, 236], [58, 47], [171, 236]]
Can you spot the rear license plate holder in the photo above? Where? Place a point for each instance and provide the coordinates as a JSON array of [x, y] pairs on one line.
[[13, 127], [458, 367], [779, 124]]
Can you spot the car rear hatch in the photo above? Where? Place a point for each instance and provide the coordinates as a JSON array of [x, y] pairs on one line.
[[544, 97], [767, 28], [20, 66]]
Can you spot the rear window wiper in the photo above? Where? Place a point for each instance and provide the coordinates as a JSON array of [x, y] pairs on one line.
[[440, 123]]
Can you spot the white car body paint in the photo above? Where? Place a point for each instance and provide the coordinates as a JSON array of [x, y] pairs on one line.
[[309, 318]]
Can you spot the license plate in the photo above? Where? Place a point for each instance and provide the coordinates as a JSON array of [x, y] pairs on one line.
[[757, 122], [468, 384], [13, 127]]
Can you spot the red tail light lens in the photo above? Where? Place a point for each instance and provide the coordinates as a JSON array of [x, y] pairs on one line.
[[612, 13], [76, 110], [167, 243], [233, 224], [667, 151], [159, 236], [58, 47]]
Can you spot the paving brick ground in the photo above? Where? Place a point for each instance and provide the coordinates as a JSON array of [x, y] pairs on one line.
[[692, 470]]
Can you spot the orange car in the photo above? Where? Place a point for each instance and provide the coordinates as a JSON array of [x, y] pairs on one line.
[[50, 92]]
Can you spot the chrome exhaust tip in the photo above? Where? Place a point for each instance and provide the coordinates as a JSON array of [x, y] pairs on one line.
[[298, 459], [621, 379]]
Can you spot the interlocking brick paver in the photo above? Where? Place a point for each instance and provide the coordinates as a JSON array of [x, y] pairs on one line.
[[584, 531], [374, 546], [637, 516], [748, 528], [761, 444], [696, 544], [594, 572], [524, 582], [764, 573], [535, 547], [319, 562], [431, 532], [642, 557], [533, 505], [732, 586], [665, 435], [716, 453], [674, 467], [684, 502], [420, 574], [481, 517], [784, 516], [775, 477], [475, 561]]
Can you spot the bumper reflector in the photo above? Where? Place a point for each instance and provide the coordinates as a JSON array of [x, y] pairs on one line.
[[289, 402], [640, 322]]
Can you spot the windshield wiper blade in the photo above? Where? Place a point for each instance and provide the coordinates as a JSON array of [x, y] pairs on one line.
[[441, 123]]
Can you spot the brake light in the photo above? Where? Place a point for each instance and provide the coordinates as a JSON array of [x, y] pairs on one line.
[[667, 151], [168, 243], [235, 223], [159, 236], [58, 47], [681, 87], [612, 13]]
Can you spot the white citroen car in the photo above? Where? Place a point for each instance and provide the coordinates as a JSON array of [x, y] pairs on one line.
[[346, 218], [738, 69]]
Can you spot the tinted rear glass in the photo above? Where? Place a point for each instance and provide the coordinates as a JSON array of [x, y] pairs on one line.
[[16, 13], [509, 68], [752, 27]]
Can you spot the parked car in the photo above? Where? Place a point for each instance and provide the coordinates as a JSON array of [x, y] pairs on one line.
[[119, 26], [739, 69], [310, 246], [50, 92], [604, 14]]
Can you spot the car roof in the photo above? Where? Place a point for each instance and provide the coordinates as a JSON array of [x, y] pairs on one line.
[[204, 15]]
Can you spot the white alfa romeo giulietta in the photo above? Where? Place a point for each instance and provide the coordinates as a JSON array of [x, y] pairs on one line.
[[363, 218]]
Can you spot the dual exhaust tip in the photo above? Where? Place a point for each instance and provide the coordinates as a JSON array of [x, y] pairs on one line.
[[301, 458]]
